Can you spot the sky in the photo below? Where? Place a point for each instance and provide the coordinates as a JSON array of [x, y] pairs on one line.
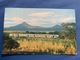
[[43, 17]]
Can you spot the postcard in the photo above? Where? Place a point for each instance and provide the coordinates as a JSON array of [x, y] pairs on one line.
[[39, 31]]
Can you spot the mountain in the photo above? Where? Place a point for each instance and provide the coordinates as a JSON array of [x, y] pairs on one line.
[[57, 27], [25, 26]]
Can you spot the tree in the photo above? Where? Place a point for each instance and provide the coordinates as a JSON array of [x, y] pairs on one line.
[[6, 36], [9, 43], [51, 33], [27, 32], [69, 30], [56, 32]]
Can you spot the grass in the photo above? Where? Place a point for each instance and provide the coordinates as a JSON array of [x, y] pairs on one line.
[[45, 46]]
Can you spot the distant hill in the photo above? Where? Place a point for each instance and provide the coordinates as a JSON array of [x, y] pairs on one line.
[[26, 27]]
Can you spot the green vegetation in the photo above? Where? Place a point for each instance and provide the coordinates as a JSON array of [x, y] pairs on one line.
[[44, 46], [9, 43], [65, 44], [55, 32], [69, 30], [28, 32]]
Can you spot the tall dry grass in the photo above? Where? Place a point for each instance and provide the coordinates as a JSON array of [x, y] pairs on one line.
[[50, 46]]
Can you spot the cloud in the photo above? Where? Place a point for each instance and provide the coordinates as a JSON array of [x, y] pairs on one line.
[[12, 21], [44, 22], [62, 19], [41, 22], [67, 19], [41, 14], [34, 21], [17, 19], [8, 24]]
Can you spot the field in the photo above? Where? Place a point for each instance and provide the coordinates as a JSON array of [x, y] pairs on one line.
[[44, 46], [39, 31]]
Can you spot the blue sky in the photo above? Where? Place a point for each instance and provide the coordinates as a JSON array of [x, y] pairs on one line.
[[38, 16]]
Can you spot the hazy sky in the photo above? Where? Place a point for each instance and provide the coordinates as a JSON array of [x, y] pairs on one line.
[[38, 16]]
